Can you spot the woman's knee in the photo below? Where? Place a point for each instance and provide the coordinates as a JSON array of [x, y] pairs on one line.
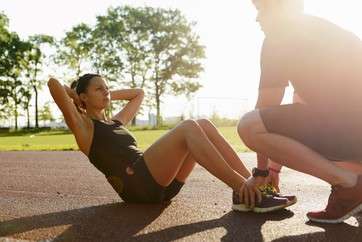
[[205, 124], [188, 125], [190, 128]]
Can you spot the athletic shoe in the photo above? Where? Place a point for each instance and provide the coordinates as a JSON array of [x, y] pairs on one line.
[[270, 190], [267, 204], [342, 204]]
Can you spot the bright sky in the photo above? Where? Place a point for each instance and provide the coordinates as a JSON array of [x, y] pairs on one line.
[[227, 29]]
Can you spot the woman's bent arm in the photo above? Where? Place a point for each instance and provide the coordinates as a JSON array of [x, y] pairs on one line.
[[135, 98], [72, 117]]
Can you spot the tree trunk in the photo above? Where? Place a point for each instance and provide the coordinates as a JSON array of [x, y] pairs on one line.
[[133, 85], [15, 109], [36, 107], [36, 94], [158, 113], [158, 101], [28, 116], [78, 69], [134, 121], [16, 116]]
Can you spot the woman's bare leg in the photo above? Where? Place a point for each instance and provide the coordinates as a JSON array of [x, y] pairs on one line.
[[223, 147], [188, 165], [166, 156]]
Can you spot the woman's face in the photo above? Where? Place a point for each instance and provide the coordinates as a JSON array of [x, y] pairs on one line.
[[97, 95]]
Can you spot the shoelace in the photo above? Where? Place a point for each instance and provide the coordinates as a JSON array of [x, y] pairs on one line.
[[268, 190]]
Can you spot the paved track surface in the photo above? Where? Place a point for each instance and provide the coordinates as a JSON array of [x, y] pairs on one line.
[[60, 196]]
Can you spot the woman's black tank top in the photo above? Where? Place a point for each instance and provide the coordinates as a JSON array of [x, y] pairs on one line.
[[113, 148]]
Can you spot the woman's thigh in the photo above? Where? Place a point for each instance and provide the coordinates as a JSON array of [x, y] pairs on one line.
[[165, 157]]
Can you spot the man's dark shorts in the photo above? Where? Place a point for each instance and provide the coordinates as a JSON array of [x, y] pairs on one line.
[[336, 135]]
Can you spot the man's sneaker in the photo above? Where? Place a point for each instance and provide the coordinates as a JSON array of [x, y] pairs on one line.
[[267, 204], [270, 190], [342, 204]]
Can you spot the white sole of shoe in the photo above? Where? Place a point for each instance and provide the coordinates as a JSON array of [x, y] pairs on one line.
[[339, 220], [292, 202], [243, 208], [240, 208], [271, 209]]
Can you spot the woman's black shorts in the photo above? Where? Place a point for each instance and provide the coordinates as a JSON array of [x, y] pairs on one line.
[[141, 187]]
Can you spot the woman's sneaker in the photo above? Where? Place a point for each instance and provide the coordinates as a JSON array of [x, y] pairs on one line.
[[270, 190], [237, 205], [268, 203]]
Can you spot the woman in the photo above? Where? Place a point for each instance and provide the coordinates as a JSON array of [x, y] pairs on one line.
[[157, 174]]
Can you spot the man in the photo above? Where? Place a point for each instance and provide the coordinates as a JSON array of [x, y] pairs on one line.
[[323, 135]]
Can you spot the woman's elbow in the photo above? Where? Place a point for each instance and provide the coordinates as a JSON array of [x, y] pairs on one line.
[[141, 91], [51, 82]]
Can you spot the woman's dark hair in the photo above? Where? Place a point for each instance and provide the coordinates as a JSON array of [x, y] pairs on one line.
[[80, 85]]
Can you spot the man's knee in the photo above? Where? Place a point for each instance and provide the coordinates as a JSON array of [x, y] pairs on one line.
[[250, 125], [247, 123]]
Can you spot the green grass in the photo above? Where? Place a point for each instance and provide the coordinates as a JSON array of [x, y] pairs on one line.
[[63, 140]]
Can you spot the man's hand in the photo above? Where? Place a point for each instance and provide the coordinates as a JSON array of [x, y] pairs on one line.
[[250, 190]]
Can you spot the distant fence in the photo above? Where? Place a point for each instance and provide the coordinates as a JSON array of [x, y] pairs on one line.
[[198, 107], [232, 108]]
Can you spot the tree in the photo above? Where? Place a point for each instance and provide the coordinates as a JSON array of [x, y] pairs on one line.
[[46, 114], [5, 112], [13, 91], [12, 88], [26, 105], [107, 52], [123, 42], [175, 54], [4, 63], [74, 49], [135, 41], [34, 58], [154, 49]]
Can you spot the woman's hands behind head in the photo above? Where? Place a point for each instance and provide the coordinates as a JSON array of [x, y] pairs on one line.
[[76, 99]]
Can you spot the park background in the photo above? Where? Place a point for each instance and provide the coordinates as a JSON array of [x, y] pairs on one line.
[[223, 86]]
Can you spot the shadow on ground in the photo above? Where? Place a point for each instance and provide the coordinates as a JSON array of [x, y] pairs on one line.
[[332, 232], [238, 226], [123, 222], [103, 223]]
